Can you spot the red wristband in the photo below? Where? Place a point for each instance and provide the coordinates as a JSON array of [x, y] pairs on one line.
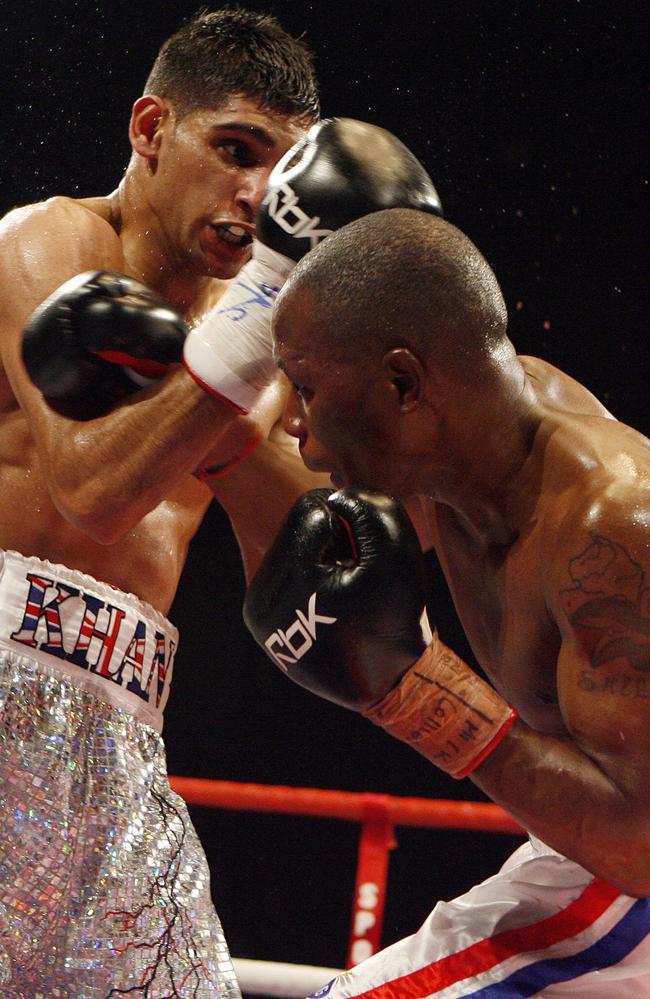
[[491, 746]]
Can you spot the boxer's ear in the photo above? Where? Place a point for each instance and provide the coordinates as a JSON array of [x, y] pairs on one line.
[[406, 373], [148, 117]]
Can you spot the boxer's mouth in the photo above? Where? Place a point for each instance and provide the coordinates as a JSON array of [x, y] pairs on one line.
[[235, 235]]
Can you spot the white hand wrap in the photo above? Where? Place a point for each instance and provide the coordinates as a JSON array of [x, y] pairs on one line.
[[230, 353]]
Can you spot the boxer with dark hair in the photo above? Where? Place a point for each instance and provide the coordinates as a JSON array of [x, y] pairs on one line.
[[137, 370], [104, 887], [406, 387], [216, 55]]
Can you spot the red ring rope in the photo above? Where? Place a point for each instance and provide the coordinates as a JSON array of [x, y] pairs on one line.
[[352, 805], [378, 814]]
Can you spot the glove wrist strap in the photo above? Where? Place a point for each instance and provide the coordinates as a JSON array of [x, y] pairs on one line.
[[443, 709]]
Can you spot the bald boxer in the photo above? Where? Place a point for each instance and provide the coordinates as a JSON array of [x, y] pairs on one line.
[[536, 500]]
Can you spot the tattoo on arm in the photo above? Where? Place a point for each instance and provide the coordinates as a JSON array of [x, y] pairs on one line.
[[609, 605]]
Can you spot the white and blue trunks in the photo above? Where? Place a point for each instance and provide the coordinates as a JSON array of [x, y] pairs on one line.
[[542, 926]]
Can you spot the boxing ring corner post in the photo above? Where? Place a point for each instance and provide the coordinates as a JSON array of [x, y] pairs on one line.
[[377, 814]]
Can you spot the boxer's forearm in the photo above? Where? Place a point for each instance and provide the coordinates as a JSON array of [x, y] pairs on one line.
[[257, 492], [569, 801], [104, 475]]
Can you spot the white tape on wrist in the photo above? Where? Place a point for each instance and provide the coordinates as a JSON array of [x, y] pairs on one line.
[[230, 353]]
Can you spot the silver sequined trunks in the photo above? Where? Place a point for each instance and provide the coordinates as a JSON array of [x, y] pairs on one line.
[[104, 887]]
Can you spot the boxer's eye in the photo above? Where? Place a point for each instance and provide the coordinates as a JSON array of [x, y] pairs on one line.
[[240, 153]]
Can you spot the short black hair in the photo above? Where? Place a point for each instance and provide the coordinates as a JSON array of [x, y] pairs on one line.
[[232, 51]]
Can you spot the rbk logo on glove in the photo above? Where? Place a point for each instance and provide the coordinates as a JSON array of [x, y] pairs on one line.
[[339, 171], [303, 629], [352, 558], [283, 207]]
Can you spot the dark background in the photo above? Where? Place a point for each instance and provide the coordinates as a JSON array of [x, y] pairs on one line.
[[528, 117]]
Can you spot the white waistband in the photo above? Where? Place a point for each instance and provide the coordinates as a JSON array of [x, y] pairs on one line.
[[104, 640]]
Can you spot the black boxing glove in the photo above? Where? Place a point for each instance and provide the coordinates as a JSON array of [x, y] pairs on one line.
[[337, 604], [337, 601], [342, 169], [99, 337]]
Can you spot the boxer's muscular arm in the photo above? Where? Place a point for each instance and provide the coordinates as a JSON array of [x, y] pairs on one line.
[[105, 474], [258, 492], [350, 563], [587, 795]]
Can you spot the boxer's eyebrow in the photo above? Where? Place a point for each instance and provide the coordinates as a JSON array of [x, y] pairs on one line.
[[250, 131]]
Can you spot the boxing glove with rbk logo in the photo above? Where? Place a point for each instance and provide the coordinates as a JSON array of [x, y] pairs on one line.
[[337, 601]]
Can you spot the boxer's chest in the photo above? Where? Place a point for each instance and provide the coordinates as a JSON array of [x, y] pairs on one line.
[[498, 595]]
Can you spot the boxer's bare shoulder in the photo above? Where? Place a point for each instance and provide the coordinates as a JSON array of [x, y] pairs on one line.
[[560, 389], [41, 246], [42, 219], [596, 521], [43, 243]]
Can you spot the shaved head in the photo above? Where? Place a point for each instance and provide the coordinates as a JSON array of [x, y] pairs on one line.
[[403, 278]]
